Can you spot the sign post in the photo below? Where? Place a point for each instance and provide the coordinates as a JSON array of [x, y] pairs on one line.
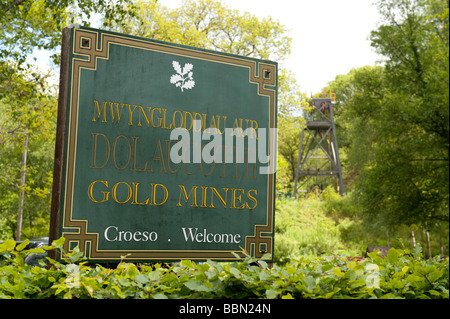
[[163, 152]]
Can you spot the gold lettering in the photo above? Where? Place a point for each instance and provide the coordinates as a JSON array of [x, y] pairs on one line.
[[99, 112], [204, 189], [134, 158], [247, 164], [119, 114], [94, 150], [135, 200], [187, 172], [253, 199], [186, 196], [114, 152], [114, 193], [224, 124], [141, 111], [166, 194], [236, 126], [173, 119], [185, 120], [130, 122], [160, 158], [202, 122], [151, 117], [164, 120], [222, 201], [254, 125], [168, 158], [213, 122], [234, 197], [212, 168], [105, 194]]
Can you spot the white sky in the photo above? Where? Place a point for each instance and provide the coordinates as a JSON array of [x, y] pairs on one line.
[[330, 37]]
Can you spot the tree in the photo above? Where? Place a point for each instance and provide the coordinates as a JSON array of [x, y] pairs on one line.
[[396, 117], [290, 123], [211, 25], [28, 107], [37, 24], [26, 113]]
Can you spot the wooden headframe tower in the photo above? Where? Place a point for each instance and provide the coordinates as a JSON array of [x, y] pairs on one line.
[[318, 163]]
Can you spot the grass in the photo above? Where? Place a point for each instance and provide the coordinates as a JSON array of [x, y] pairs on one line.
[[312, 226]]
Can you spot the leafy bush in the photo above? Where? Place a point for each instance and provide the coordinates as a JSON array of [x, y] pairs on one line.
[[402, 274]]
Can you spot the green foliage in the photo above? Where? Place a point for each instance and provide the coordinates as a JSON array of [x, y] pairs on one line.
[[310, 227], [37, 24], [393, 120], [289, 130], [28, 103], [208, 24], [403, 274], [28, 107]]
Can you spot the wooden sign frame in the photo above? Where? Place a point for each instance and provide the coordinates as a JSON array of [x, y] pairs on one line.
[[86, 53]]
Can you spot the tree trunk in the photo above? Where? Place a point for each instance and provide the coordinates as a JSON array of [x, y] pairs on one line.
[[22, 186], [428, 244], [388, 238]]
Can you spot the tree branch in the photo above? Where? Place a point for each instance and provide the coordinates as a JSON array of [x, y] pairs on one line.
[[15, 3]]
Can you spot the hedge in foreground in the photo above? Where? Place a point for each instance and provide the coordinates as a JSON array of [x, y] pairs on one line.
[[402, 274]]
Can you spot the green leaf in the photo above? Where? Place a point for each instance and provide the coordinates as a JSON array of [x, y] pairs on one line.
[[197, 285], [434, 292], [357, 283], [58, 243], [124, 282], [88, 288], [435, 275], [155, 275], [235, 272], [235, 255], [392, 255], [398, 284], [143, 279], [263, 264], [327, 267], [266, 256], [21, 246], [291, 270], [159, 296], [311, 282], [263, 276], [418, 250], [187, 264], [272, 294], [389, 296], [338, 272], [373, 280], [8, 245]]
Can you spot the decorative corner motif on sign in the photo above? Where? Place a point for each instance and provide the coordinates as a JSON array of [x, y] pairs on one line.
[[183, 79]]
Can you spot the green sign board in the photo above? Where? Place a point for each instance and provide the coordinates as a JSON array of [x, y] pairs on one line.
[[163, 152]]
